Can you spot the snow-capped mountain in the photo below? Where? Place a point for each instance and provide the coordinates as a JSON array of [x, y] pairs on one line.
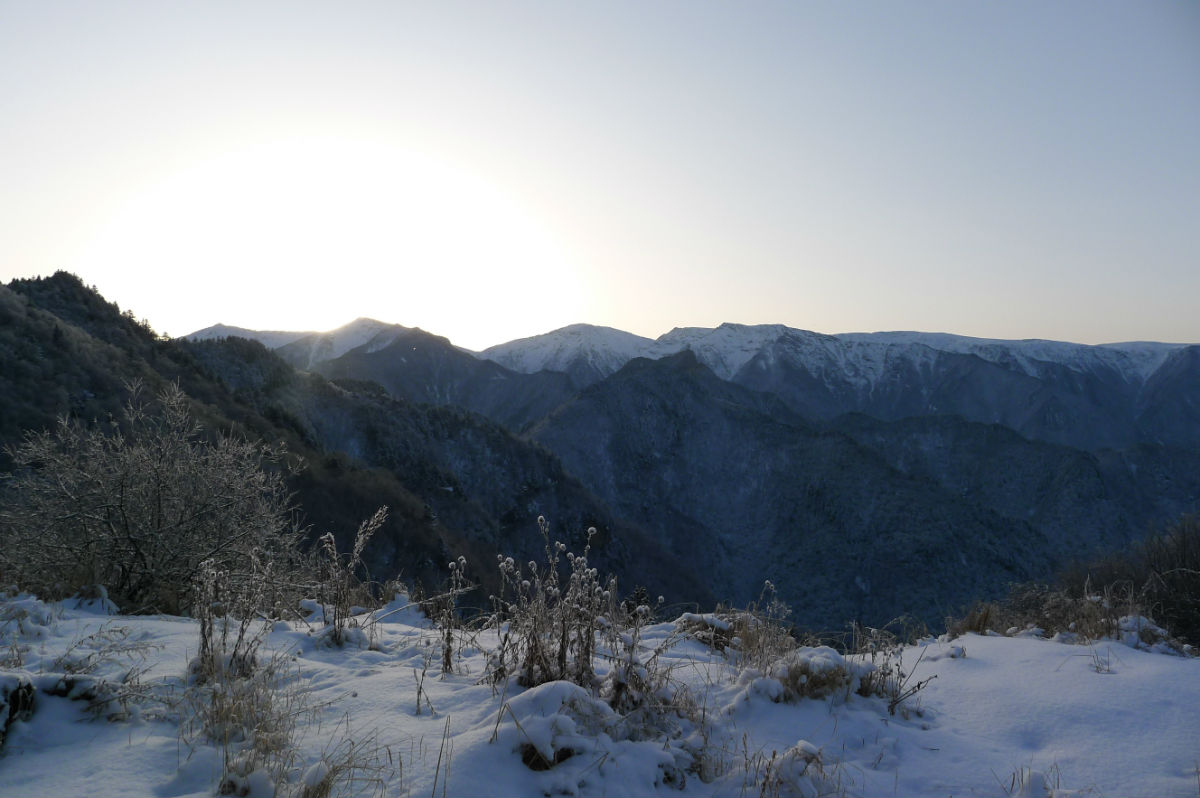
[[596, 352], [584, 352], [725, 349], [1135, 360], [271, 339], [305, 353], [589, 353], [1090, 397], [306, 349], [862, 356]]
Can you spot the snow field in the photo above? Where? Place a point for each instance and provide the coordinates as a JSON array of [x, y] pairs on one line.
[[1004, 715]]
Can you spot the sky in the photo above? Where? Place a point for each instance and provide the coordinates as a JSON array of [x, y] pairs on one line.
[[488, 171]]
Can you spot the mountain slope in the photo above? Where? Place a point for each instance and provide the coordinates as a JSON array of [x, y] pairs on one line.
[[455, 483], [419, 367], [78, 357], [743, 490], [1168, 406], [1083, 502]]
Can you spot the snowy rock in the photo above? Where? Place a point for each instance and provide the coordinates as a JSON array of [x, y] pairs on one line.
[[16, 701]]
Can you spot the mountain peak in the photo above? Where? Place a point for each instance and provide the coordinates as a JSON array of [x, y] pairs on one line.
[[367, 321], [585, 352]]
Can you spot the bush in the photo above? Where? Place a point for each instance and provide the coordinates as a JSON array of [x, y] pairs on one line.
[[1050, 610], [245, 704], [551, 628], [340, 586], [1171, 574], [754, 638], [138, 505], [1157, 578]]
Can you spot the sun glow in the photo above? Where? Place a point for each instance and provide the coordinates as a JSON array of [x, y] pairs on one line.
[[310, 233]]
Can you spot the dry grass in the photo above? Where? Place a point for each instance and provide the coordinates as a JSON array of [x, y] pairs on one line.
[[1158, 578], [353, 765]]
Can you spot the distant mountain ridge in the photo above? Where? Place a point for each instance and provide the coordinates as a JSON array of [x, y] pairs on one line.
[[272, 339], [727, 348], [1086, 396]]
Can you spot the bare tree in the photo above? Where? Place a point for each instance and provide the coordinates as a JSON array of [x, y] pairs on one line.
[[138, 506]]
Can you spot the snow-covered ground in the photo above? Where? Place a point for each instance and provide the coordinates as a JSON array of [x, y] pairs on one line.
[[1004, 715]]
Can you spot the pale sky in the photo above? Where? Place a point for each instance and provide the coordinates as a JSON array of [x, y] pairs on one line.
[[493, 170]]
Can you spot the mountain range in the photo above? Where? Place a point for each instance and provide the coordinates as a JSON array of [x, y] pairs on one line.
[[838, 466], [845, 469], [1088, 397]]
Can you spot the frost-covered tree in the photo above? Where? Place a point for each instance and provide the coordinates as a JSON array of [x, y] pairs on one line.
[[137, 506]]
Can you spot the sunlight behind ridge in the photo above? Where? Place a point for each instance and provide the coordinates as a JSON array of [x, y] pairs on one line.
[[394, 234]]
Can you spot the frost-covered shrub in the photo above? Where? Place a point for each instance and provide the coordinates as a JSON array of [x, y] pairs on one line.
[[23, 618], [547, 625], [234, 697], [138, 504], [714, 629], [886, 675], [252, 719], [1138, 631], [755, 637], [1158, 577], [443, 610], [808, 672], [230, 630], [818, 672], [1115, 612], [762, 632], [799, 771], [562, 727], [821, 672], [343, 581], [556, 626], [1173, 582]]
